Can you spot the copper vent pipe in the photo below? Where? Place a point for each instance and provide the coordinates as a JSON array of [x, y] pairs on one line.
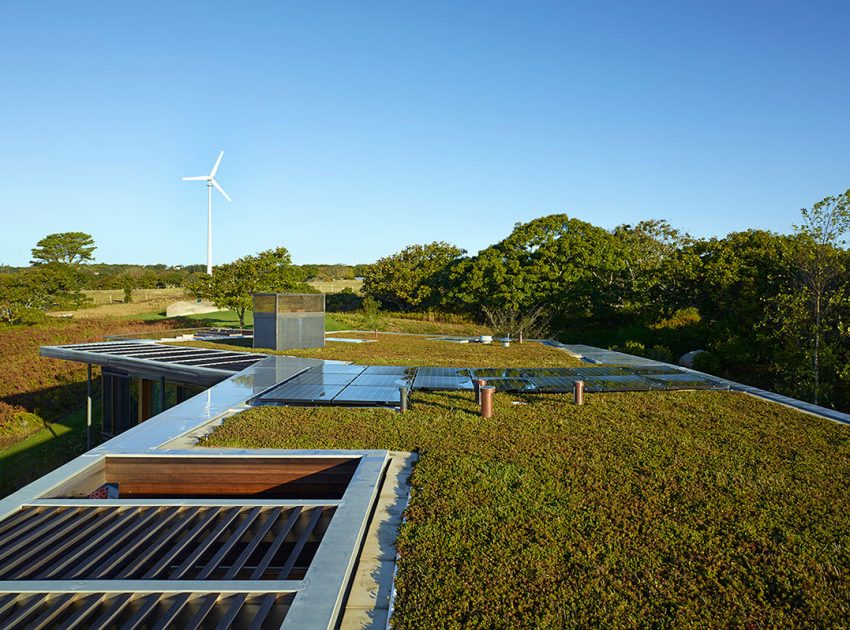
[[477, 384], [487, 392], [578, 392]]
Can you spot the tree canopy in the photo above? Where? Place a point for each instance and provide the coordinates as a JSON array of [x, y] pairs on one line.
[[70, 248], [410, 278], [232, 285]]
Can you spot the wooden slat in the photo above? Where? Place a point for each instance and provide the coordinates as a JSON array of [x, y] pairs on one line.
[[299, 544], [270, 517], [113, 519], [40, 540], [209, 514], [149, 602], [86, 607], [116, 538], [203, 476], [263, 612], [70, 542], [225, 547], [184, 517], [117, 604], [225, 519], [232, 611], [172, 612], [276, 543], [55, 606], [125, 552], [205, 605], [54, 519], [24, 611], [17, 519]]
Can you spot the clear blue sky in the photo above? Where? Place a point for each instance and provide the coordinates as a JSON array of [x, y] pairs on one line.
[[352, 129]]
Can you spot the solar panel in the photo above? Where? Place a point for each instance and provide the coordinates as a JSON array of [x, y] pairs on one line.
[[649, 370], [317, 376], [619, 383], [553, 384], [685, 381], [488, 373], [295, 392], [439, 371], [340, 368], [442, 382], [552, 371], [388, 369], [381, 380], [511, 384], [369, 395]]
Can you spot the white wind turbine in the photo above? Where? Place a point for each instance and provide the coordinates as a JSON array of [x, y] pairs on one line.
[[210, 180]]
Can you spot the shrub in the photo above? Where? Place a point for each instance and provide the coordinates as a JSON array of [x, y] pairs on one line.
[[660, 353], [707, 362]]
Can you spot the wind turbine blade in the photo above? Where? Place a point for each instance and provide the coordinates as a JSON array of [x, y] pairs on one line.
[[217, 162], [199, 178], [220, 189]]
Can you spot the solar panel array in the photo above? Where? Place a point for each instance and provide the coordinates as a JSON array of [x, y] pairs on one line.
[[596, 379], [379, 385], [341, 384], [231, 361]]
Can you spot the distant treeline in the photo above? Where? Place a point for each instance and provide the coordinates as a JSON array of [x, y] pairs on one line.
[[768, 309], [63, 267], [106, 276]]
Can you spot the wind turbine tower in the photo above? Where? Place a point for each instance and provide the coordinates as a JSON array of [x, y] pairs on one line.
[[210, 180]]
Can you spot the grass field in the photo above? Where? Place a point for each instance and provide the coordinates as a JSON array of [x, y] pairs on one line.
[[48, 448], [656, 508]]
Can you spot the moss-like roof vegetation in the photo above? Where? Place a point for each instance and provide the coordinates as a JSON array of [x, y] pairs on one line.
[[658, 507], [421, 351]]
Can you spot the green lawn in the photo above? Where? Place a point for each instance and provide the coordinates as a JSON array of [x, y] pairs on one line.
[[47, 449], [653, 508], [223, 319]]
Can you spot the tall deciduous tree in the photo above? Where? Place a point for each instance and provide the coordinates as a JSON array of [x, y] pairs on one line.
[[820, 263], [410, 278], [232, 285], [70, 248]]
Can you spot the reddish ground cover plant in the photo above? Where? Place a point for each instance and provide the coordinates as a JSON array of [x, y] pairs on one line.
[[36, 390]]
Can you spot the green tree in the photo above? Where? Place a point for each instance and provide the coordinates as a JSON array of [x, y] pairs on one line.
[[649, 252], [70, 248], [24, 295], [811, 310], [410, 278], [564, 263], [231, 286]]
